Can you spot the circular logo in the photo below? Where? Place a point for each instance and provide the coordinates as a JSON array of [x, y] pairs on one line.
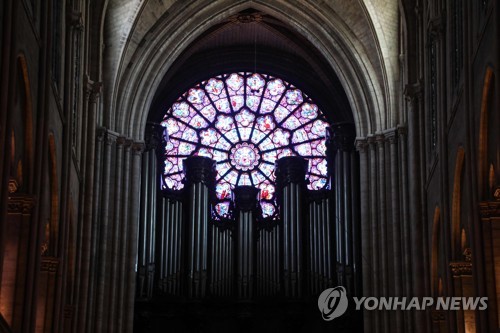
[[333, 303]]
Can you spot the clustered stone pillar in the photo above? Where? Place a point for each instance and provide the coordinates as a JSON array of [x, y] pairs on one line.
[[200, 178], [92, 94], [290, 176], [344, 163], [114, 229], [384, 222], [246, 200]]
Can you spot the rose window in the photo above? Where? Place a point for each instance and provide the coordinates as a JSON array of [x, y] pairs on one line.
[[245, 122]]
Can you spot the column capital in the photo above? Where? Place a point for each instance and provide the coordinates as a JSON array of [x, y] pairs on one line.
[[291, 169], [391, 135], [21, 204], [137, 148], [413, 92], [402, 130], [461, 268], [199, 169], [489, 209], [121, 141], [92, 89], [437, 26], [341, 136], [372, 141], [154, 135], [361, 144], [246, 198], [75, 20], [101, 133]]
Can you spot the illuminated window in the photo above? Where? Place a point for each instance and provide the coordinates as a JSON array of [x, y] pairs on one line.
[[245, 122]]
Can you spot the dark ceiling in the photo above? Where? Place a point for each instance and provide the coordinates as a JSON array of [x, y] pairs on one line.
[[253, 41]]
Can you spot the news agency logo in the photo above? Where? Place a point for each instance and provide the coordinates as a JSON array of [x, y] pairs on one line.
[[333, 303]]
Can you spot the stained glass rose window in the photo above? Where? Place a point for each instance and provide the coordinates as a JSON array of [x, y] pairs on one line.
[[245, 122]]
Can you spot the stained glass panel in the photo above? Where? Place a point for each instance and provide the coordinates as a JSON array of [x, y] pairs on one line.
[[245, 122]]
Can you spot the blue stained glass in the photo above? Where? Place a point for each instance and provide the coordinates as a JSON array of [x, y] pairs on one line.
[[253, 102], [268, 209], [225, 123], [234, 81], [223, 105], [209, 112], [214, 86], [237, 102], [196, 96], [246, 129], [267, 106], [222, 208], [309, 111], [276, 87], [180, 110], [255, 83], [244, 118], [209, 137], [294, 97], [280, 137]]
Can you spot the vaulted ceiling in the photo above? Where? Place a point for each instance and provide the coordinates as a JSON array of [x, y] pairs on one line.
[[361, 34]]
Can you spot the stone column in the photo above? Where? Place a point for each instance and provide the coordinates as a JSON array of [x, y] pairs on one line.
[[93, 92], [116, 323], [366, 237], [395, 224], [200, 178], [290, 176], [414, 99], [246, 201]]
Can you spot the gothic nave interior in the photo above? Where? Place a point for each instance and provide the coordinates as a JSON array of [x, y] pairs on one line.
[[215, 165]]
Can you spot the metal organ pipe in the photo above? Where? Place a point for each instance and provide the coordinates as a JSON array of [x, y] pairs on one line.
[[290, 175], [200, 174]]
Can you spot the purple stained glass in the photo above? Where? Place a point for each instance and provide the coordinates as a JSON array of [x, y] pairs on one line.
[[255, 83], [196, 96], [214, 86], [268, 209], [222, 208], [234, 81], [276, 87], [245, 122]]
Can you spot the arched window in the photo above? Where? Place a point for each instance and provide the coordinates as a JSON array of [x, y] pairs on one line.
[[245, 122]]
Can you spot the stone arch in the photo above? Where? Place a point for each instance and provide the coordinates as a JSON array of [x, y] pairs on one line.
[[168, 38], [456, 203]]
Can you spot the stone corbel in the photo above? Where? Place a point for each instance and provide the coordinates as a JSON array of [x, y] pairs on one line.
[[75, 20]]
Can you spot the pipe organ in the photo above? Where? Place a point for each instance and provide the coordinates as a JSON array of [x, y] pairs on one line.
[[308, 246]]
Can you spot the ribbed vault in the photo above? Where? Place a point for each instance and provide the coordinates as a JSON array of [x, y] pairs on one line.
[[355, 40]]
